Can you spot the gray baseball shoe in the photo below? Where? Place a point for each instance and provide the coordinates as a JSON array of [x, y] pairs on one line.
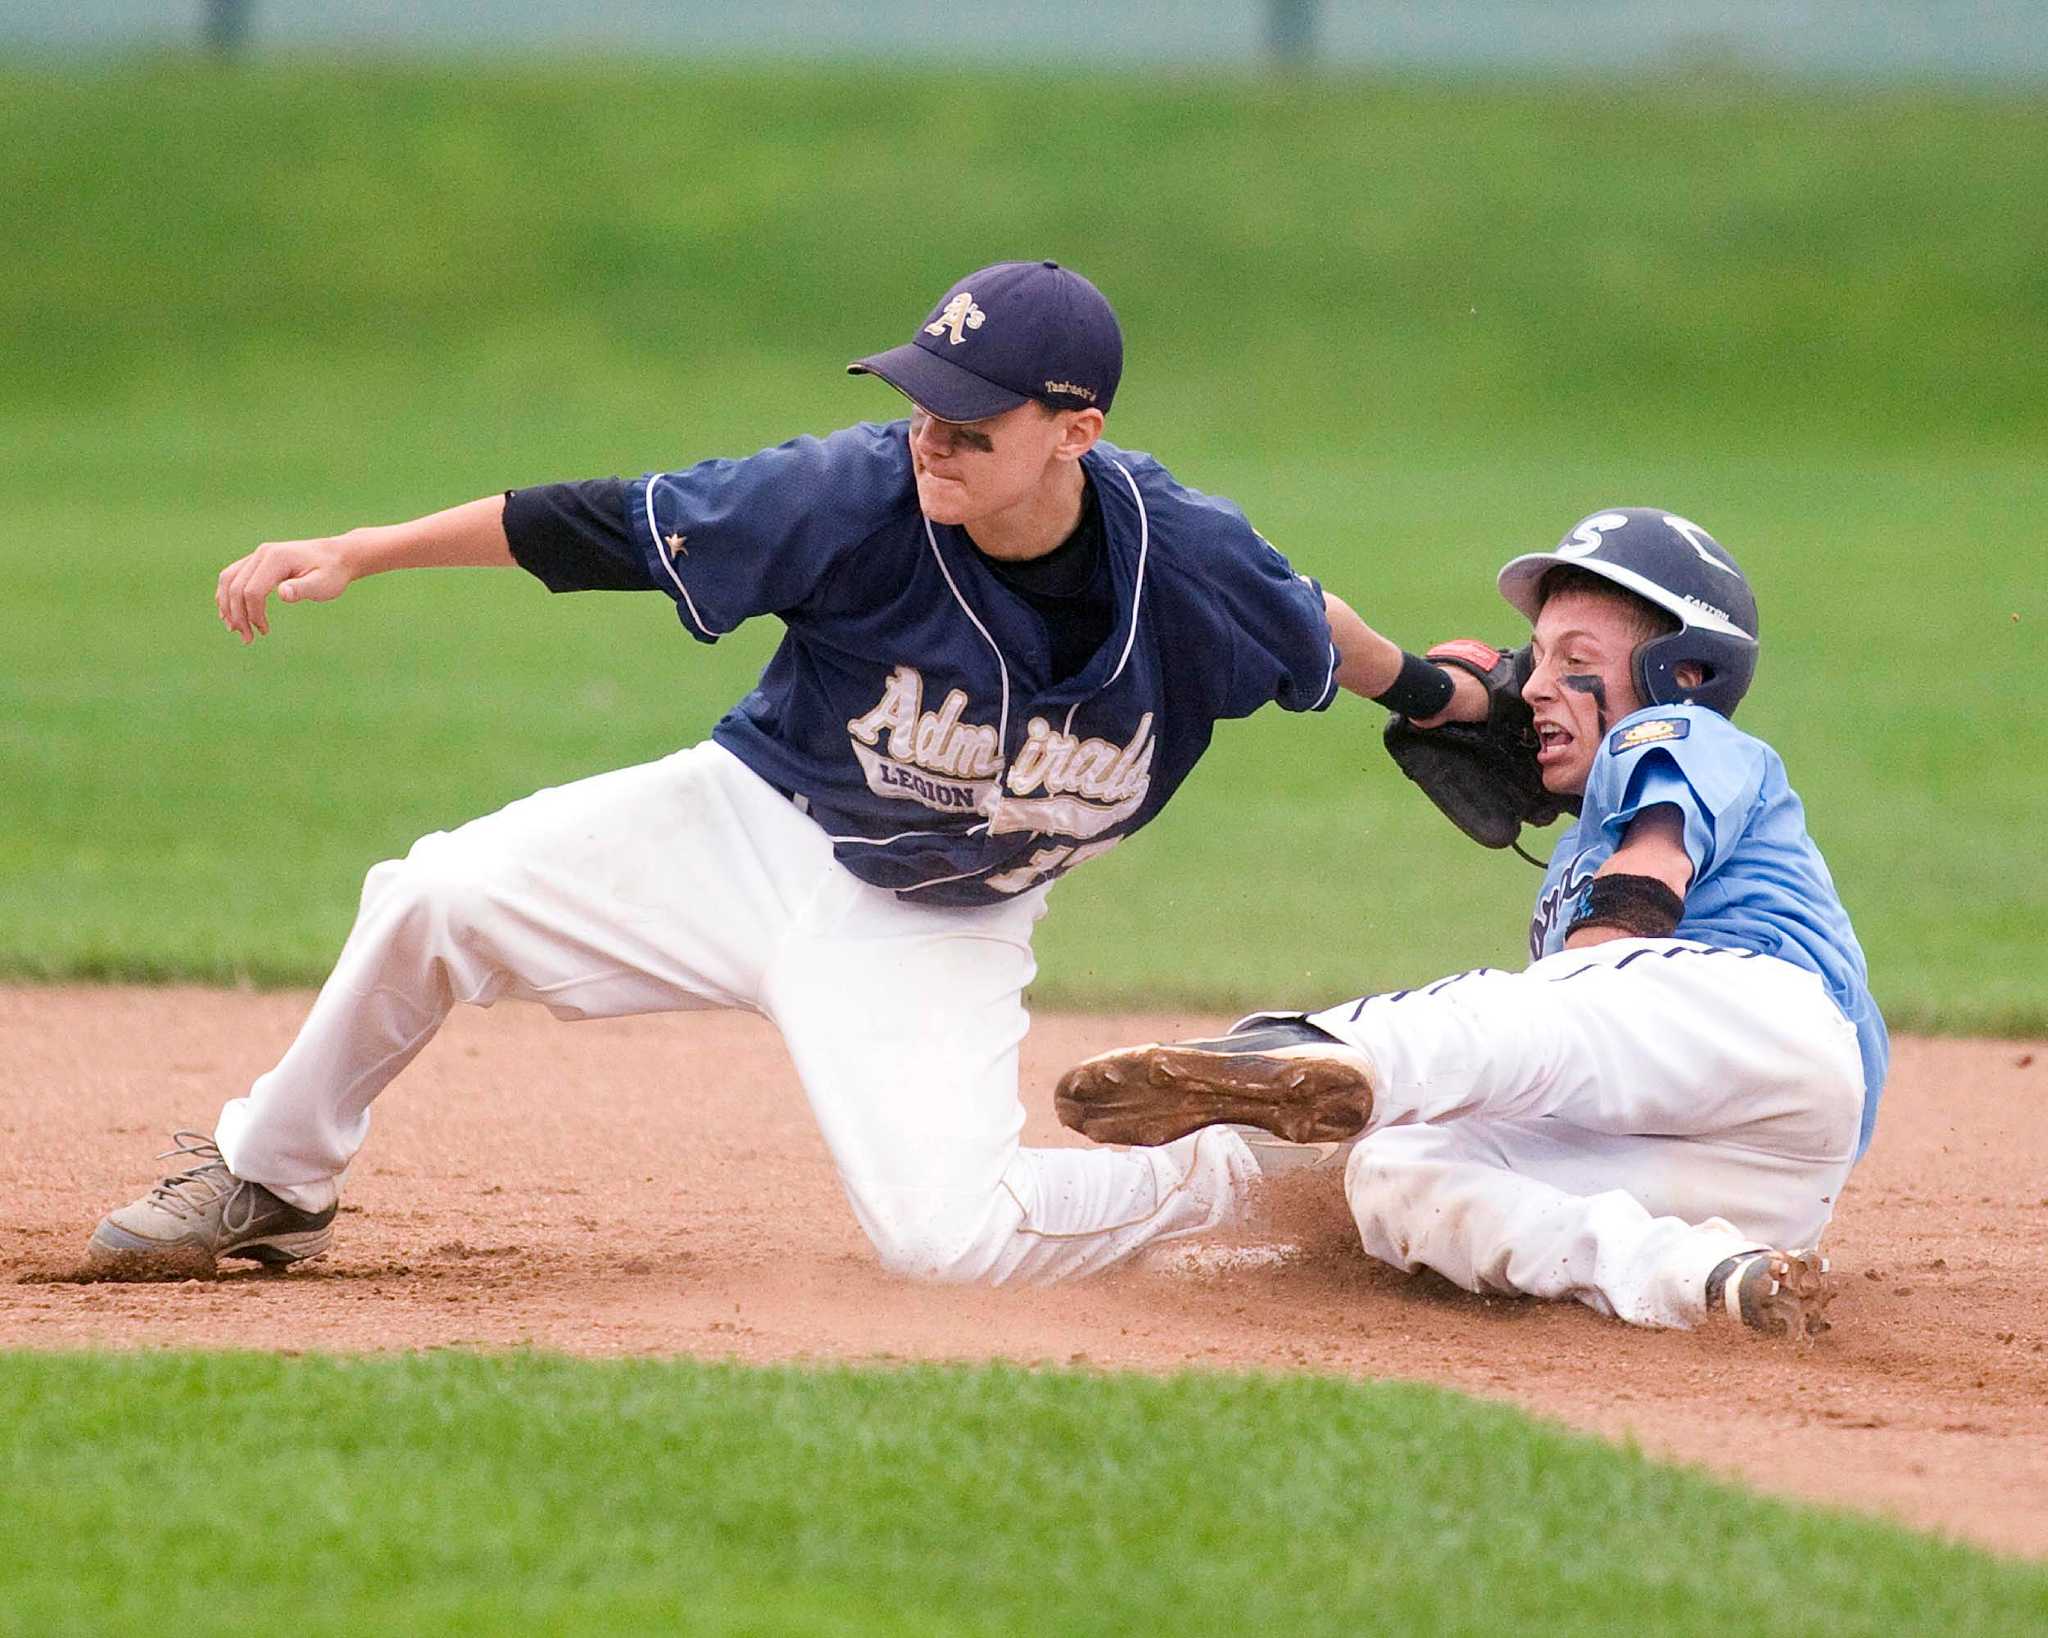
[[192, 1217], [1280, 1074], [1780, 1293], [1277, 1157]]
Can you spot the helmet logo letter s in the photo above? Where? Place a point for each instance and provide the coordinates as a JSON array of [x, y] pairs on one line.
[[1692, 533], [1585, 539]]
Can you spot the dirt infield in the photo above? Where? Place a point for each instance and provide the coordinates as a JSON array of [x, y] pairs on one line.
[[655, 1186]]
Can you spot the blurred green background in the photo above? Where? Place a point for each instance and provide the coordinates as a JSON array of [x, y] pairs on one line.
[[1412, 328]]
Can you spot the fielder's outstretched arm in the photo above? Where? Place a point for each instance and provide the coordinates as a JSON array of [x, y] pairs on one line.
[[1368, 663], [316, 571]]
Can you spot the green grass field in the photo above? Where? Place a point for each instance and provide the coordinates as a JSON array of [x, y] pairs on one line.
[[465, 1495], [1412, 329]]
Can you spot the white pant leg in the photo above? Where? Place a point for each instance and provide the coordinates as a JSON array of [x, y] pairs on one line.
[[1770, 1199], [1474, 1201], [658, 887], [689, 883], [904, 1022], [1621, 1114], [1637, 1036]]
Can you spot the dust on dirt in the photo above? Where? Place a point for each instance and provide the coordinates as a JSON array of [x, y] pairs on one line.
[[656, 1186]]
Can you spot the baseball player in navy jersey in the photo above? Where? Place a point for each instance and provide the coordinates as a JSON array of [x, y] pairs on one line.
[[1006, 643], [1657, 1115]]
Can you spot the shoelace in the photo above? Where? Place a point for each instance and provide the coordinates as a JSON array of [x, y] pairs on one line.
[[171, 1191]]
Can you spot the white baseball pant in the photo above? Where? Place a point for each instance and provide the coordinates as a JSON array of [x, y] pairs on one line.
[[691, 883], [1607, 1124]]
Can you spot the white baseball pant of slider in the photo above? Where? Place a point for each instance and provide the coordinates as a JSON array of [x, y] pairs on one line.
[[1607, 1124], [691, 883]]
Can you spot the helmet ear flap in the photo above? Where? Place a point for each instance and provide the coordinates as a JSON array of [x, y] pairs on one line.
[[1728, 663], [1645, 674], [1656, 675]]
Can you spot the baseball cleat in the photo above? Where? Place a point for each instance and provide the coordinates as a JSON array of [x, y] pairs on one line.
[[1780, 1293], [1282, 1075], [194, 1216]]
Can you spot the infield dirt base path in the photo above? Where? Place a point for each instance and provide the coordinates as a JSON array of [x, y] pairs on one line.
[[656, 1186]]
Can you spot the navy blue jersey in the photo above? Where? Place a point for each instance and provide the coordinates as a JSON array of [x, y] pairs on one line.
[[916, 706], [1758, 881]]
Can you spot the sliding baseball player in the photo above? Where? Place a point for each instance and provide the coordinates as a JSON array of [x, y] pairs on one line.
[[1656, 1116]]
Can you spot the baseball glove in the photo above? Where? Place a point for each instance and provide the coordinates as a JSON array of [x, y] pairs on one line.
[[1483, 775]]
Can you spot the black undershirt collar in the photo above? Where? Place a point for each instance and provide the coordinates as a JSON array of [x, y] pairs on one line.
[[1067, 569], [1068, 589]]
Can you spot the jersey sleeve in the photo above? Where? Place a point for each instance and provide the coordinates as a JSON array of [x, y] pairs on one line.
[[1281, 651], [730, 539], [1690, 758], [573, 536]]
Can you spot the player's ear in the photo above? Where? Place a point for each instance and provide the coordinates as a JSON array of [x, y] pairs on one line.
[[1078, 436], [1687, 674]]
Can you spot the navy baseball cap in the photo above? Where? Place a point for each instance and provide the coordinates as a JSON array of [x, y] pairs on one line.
[[1008, 333]]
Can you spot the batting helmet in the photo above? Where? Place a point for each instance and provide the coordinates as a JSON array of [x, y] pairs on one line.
[[1681, 569]]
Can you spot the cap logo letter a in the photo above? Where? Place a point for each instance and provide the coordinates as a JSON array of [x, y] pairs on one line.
[[957, 314]]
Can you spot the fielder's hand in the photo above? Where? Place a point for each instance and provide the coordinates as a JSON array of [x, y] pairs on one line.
[[299, 571]]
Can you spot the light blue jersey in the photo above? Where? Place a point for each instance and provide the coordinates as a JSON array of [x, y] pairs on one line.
[[1758, 882]]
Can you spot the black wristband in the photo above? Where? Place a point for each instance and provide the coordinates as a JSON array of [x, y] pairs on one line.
[[1640, 906], [1422, 689]]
